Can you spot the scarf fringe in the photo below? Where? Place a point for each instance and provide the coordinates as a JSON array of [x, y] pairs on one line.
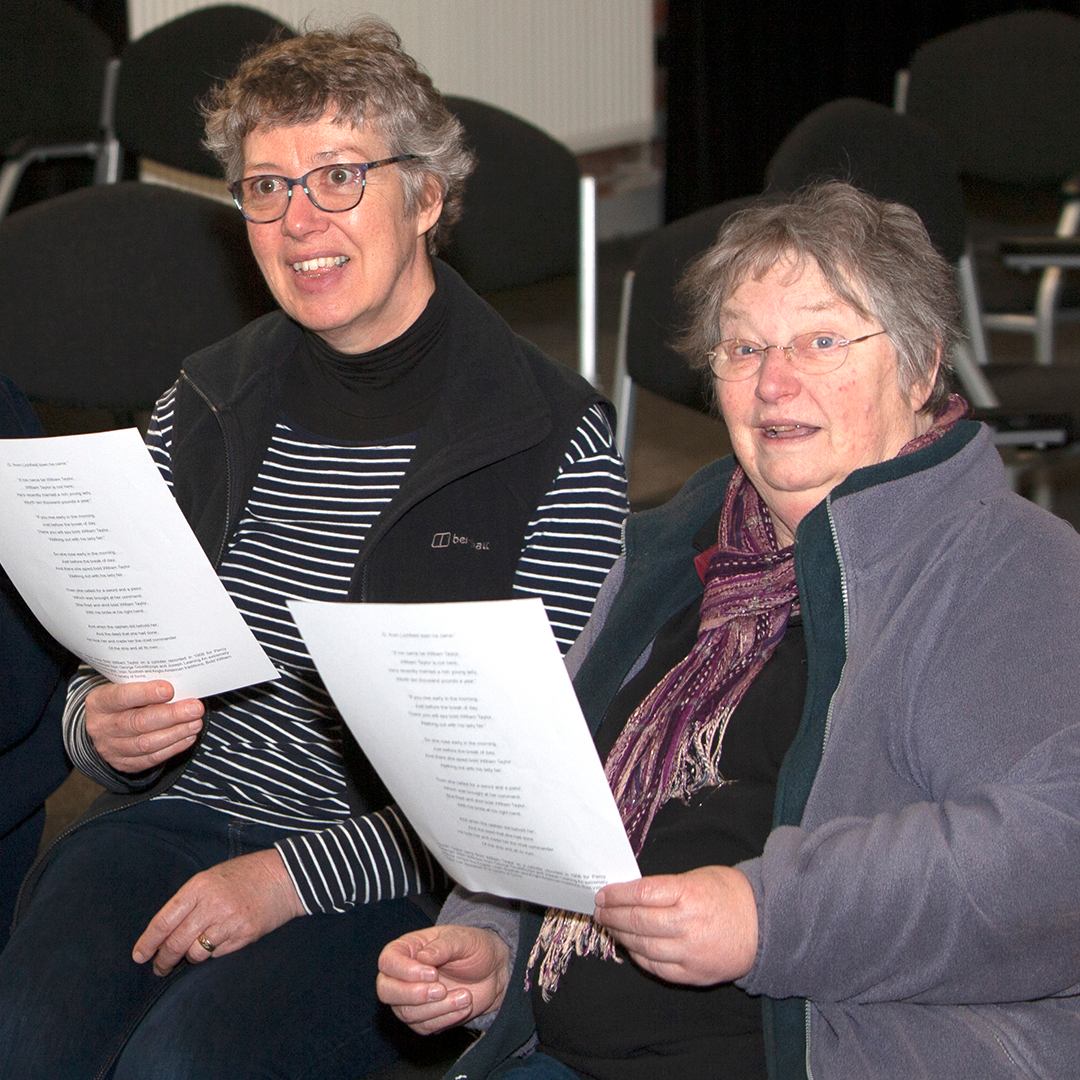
[[565, 934]]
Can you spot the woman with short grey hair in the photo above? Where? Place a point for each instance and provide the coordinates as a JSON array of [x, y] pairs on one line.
[[358, 77]]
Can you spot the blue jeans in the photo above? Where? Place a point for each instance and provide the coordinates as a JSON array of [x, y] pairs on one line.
[[17, 850], [297, 1004]]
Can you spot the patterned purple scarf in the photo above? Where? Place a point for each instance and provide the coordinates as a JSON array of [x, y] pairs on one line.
[[671, 745]]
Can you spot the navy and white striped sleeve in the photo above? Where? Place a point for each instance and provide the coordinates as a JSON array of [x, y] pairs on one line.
[[575, 534], [76, 741], [159, 433], [360, 861]]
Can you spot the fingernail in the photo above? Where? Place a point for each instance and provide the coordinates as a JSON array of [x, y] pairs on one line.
[[436, 992], [193, 709], [460, 999], [138, 957]]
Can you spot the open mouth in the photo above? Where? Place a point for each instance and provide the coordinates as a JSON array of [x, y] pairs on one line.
[[330, 263], [780, 431]]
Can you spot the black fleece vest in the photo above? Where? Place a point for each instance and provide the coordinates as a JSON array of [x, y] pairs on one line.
[[455, 529]]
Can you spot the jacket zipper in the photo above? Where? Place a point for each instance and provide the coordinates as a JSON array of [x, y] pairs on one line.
[[216, 413], [829, 715]]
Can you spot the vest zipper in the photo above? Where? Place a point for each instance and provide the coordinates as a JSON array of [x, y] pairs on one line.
[[829, 715], [216, 413]]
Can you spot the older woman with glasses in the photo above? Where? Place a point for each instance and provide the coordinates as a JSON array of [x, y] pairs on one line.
[[384, 437], [835, 686]]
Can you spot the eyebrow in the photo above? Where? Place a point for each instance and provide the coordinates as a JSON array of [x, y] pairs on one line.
[[733, 314], [830, 305], [344, 156]]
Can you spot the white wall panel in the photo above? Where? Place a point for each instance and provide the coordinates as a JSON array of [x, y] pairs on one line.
[[580, 69]]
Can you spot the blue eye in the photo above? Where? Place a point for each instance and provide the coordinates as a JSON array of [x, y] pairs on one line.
[[824, 341]]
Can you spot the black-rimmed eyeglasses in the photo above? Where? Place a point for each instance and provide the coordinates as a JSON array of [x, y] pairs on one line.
[[334, 188], [816, 353]]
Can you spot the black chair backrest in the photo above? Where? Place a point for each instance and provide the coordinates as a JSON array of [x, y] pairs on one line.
[[657, 316], [891, 156], [105, 290], [166, 73], [521, 212], [53, 61], [1005, 94]]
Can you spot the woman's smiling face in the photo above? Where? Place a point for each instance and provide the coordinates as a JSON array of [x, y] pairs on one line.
[[797, 436], [358, 278]]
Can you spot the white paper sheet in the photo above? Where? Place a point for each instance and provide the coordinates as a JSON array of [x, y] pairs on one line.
[[468, 715], [95, 543]]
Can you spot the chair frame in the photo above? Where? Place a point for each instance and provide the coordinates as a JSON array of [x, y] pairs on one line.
[[103, 150], [587, 280], [1046, 311], [624, 389]]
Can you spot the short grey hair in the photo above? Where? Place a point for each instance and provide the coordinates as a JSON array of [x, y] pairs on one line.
[[875, 255], [358, 75]]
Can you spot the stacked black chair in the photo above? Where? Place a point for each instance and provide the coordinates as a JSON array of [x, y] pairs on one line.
[[165, 73], [651, 317], [55, 105], [528, 214], [106, 289], [1004, 94]]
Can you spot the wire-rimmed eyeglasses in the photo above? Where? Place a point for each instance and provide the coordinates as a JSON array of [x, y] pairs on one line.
[[815, 353], [335, 188]]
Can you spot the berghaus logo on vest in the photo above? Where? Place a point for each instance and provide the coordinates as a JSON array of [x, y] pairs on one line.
[[454, 540]]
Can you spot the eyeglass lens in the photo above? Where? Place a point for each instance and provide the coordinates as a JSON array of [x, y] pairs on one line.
[[330, 187], [815, 353]]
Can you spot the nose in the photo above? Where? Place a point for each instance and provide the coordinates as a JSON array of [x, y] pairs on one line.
[[777, 378], [302, 216]]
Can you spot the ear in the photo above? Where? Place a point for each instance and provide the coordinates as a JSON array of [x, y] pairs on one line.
[[430, 208], [920, 392]]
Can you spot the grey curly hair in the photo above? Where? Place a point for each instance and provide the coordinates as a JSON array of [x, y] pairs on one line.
[[358, 75], [875, 255]]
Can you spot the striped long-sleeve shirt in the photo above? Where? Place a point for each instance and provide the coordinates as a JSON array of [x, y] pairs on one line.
[[272, 753]]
